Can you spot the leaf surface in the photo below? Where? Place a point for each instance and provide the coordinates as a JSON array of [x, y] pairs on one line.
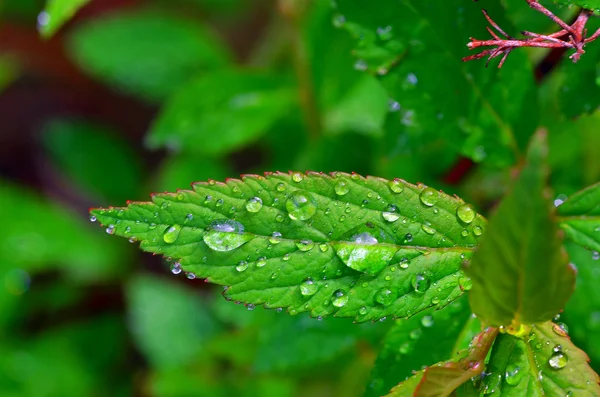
[[546, 364], [343, 244], [520, 271], [56, 13], [579, 217]]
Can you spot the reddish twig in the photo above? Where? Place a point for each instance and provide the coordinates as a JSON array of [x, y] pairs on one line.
[[570, 36]]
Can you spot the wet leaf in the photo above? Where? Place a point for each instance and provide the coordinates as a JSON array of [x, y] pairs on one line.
[[56, 13], [579, 217], [589, 4], [343, 244]]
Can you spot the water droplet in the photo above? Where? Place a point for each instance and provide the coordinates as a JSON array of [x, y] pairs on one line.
[[323, 247], [225, 235], [190, 275], [241, 266], [132, 240], [297, 177], [341, 188], [477, 230], [308, 287], [466, 213], [338, 20], [384, 33], [220, 203], [396, 186], [391, 213], [513, 375], [339, 298], [420, 283], [429, 196], [363, 254], [110, 229], [43, 19], [405, 348], [305, 245], [93, 218], [427, 321], [189, 217], [558, 360], [393, 106], [176, 268], [595, 255], [408, 237], [464, 283], [286, 257], [280, 187], [427, 229], [275, 238], [279, 218], [464, 233], [171, 233], [262, 261], [254, 204], [385, 296], [415, 333], [250, 306], [301, 206], [360, 65]]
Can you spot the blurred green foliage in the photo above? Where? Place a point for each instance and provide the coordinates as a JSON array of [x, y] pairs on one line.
[[240, 86]]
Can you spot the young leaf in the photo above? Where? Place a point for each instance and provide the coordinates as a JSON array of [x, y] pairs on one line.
[[520, 271], [545, 364], [56, 13], [579, 217], [442, 379], [407, 346], [343, 244], [241, 106], [145, 52]]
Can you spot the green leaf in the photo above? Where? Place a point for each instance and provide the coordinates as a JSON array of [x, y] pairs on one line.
[[520, 271], [545, 364], [94, 157], [56, 13], [407, 345], [144, 52], [442, 379], [313, 242], [477, 110], [221, 111], [171, 325], [179, 170], [582, 313], [589, 4], [579, 217]]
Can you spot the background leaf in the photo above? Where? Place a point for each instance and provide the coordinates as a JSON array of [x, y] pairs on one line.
[[345, 245], [509, 287], [589, 4], [580, 217], [56, 13]]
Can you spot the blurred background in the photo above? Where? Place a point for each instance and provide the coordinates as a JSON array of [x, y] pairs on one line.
[[131, 97]]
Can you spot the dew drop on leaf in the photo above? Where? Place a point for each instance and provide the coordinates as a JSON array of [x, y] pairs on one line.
[[339, 298], [427, 229], [405, 348], [513, 375], [477, 230], [190, 275], [363, 254], [176, 268], [305, 245], [225, 235], [427, 321], [420, 283], [466, 213], [363, 310], [110, 229], [385, 296], [93, 218], [275, 238], [408, 237], [429, 196], [286, 257], [301, 206], [171, 234], [396, 186], [341, 188], [241, 266], [297, 177], [308, 287], [391, 213], [262, 261], [558, 360], [415, 333], [254, 204]]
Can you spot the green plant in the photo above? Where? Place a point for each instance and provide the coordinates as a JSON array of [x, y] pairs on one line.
[[347, 285]]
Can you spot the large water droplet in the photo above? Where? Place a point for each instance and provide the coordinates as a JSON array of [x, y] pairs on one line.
[[176, 268], [396, 186], [110, 229], [364, 254], [420, 283], [305, 245], [429, 196], [301, 206], [385, 296], [466, 213], [340, 298], [558, 360], [391, 213], [297, 177], [171, 234], [254, 204], [308, 287], [225, 235], [513, 375], [241, 266], [341, 188]]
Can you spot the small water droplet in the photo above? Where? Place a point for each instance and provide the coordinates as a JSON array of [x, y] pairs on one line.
[[190, 275], [466, 213], [171, 234], [391, 214], [415, 333], [464, 283], [464, 233], [254, 204], [393, 106], [385, 296], [250, 306], [241, 266], [93, 218], [396, 186], [360, 65], [513, 375], [339, 298], [558, 360], [262, 261], [110, 229], [305, 245], [595, 255], [405, 348], [477, 230], [428, 229], [427, 321], [308, 287], [286, 257], [420, 283], [301, 206], [275, 238], [338, 20], [176, 268], [323, 247], [384, 33], [297, 177], [429, 196], [341, 188]]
